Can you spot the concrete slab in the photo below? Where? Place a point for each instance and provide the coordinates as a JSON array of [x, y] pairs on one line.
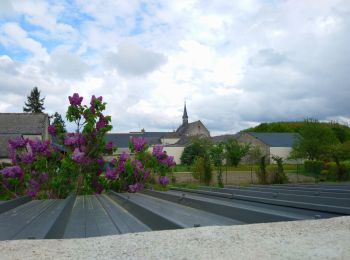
[[307, 239]]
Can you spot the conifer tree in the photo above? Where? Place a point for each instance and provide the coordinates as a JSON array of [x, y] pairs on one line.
[[34, 103]]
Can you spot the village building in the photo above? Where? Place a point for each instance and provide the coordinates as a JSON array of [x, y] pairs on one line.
[[28, 125], [173, 142]]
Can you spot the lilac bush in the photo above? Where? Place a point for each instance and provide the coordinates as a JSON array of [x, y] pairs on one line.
[[41, 170]]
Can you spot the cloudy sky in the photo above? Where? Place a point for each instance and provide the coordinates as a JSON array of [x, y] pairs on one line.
[[236, 63]]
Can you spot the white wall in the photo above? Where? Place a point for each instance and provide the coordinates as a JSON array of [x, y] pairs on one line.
[[175, 151], [166, 141], [283, 152]]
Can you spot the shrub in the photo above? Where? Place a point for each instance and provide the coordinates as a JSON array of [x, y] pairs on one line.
[[202, 170], [313, 167], [278, 176], [261, 172], [44, 171]]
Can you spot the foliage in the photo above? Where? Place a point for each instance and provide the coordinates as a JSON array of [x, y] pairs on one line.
[[202, 169], [313, 167], [261, 172], [57, 127], [34, 103], [313, 140], [43, 171], [340, 152], [342, 132], [279, 177], [198, 147], [235, 151], [217, 155]]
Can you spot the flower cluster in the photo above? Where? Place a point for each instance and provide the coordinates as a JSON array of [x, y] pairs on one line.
[[137, 144], [75, 100], [12, 172], [162, 156]]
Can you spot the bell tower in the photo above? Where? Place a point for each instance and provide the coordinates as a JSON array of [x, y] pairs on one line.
[[185, 116]]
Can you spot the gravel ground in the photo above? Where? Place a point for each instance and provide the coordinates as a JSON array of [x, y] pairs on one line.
[[308, 239]]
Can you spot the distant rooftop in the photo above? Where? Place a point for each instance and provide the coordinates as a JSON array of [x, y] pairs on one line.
[[276, 139]]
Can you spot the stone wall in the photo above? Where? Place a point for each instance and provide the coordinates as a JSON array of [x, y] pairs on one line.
[[238, 178]]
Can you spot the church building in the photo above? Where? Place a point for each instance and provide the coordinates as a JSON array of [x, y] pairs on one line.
[[173, 142]]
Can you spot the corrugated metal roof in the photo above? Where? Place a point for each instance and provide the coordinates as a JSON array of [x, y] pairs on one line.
[[276, 139], [119, 213]]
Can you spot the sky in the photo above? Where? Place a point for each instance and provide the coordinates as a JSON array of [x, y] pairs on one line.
[[236, 63]]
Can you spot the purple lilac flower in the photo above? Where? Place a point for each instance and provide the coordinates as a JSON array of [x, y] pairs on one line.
[[74, 139], [78, 156], [157, 151], [109, 146], [39, 147], [42, 177], [168, 161], [51, 129], [27, 157], [123, 157], [146, 175], [138, 143], [111, 174], [33, 188], [18, 142], [12, 172], [163, 180], [100, 160], [93, 98], [75, 100], [133, 188], [121, 167], [101, 122]]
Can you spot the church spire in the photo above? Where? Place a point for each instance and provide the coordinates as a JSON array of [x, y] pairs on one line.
[[185, 116]]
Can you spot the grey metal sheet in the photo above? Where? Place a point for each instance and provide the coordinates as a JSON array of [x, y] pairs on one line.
[[14, 221], [303, 205], [182, 215], [341, 202]]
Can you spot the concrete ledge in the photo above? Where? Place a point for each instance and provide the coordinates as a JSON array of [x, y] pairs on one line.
[[309, 239]]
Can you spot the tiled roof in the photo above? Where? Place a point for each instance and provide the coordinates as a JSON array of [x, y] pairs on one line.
[[276, 139], [23, 123], [121, 140]]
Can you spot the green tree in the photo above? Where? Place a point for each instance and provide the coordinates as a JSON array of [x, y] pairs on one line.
[[235, 151], [198, 147], [217, 155], [34, 103], [202, 169], [313, 140], [340, 152], [59, 125]]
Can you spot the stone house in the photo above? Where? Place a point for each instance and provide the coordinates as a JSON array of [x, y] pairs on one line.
[[12, 125], [271, 144]]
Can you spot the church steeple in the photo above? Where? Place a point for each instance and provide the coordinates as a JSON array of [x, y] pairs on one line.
[[185, 116]]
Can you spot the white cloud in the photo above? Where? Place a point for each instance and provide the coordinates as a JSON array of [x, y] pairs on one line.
[[67, 65], [13, 34], [236, 63], [133, 60]]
